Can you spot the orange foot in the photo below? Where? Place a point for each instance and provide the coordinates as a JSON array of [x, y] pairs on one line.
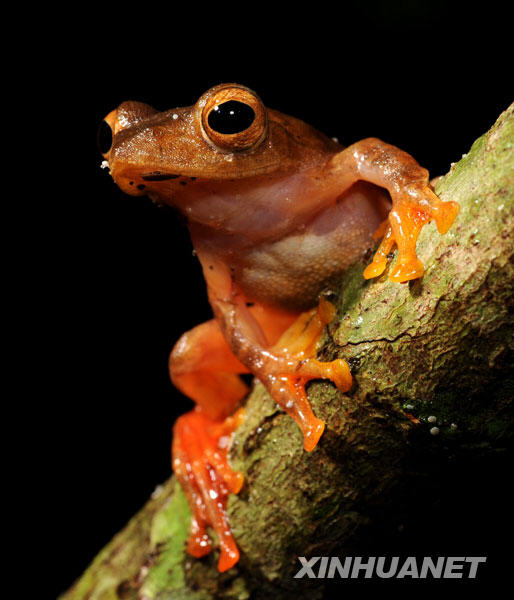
[[412, 208], [199, 454], [295, 366]]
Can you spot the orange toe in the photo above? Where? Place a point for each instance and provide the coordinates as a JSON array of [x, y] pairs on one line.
[[200, 447], [312, 436], [445, 214], [375, 269], [228, 558], [406, 270]]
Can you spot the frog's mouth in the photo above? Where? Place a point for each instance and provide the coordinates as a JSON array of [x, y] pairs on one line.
[[158, 176], [137, 183]]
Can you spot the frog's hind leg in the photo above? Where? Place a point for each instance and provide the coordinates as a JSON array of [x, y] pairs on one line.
[[199, 452], [203, 367]]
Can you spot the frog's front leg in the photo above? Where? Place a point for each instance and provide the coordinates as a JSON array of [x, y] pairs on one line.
[[413, 202], [285, 367], [297, 349]]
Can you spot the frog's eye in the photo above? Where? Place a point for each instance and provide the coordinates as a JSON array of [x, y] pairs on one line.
[[231, 117], [234, 118], [104, 137]]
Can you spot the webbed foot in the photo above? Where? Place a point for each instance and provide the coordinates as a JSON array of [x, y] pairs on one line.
[[413, 206], [294, 366], [199, 452]]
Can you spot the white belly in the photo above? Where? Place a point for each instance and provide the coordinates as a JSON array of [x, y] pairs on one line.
[[291, 272]]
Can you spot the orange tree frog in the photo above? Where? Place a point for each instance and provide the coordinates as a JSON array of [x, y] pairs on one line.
[[276, 210]]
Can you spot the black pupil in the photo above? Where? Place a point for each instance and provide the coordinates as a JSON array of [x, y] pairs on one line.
[[104, 138], [231, 117]]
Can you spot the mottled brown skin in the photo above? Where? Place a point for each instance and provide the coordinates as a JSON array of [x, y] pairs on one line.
[[275, 211]]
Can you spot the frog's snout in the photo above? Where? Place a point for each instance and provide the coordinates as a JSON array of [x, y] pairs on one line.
[[109, 128], [126, 181]]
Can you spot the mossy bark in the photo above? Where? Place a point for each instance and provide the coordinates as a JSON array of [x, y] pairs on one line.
[[440, 347]]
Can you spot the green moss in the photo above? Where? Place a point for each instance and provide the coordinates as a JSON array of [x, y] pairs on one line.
[[168, 536]]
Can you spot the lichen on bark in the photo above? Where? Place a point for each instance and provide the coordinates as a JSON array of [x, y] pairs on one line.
[[440, 346]]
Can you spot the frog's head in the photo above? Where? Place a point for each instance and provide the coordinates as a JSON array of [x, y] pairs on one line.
[[227, 135]]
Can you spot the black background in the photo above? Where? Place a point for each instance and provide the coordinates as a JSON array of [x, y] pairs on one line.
[[113, 279]]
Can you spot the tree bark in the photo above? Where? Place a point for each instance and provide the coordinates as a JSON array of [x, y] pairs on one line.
[[438, 347]]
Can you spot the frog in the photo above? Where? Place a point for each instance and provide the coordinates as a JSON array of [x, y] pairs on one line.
[[277, 211]]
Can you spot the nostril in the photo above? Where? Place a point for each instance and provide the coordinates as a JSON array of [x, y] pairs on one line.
[[104, 137]]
